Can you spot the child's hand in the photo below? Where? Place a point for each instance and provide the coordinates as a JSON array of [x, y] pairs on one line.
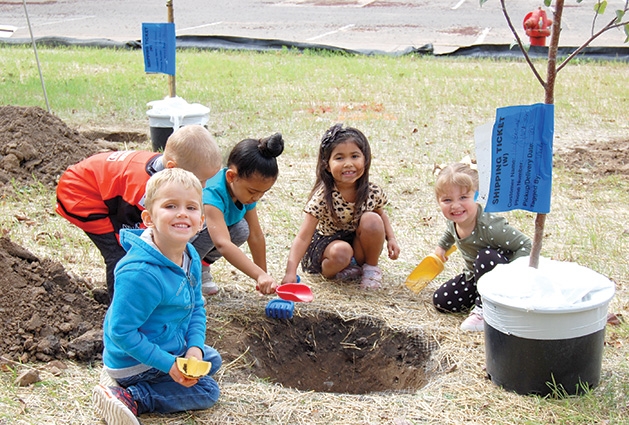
[[194, 352], [289, 278], [266, 284], [179, 377], [393, 248], [441, 253]]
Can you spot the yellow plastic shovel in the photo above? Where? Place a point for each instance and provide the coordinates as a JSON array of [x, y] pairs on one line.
[[193, 368], [426, 271]]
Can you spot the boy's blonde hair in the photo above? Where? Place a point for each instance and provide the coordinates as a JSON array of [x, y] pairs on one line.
[[457, 174], [192, 147], [179, 176]]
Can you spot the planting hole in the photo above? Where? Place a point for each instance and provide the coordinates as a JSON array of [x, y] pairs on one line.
[[328, 354]]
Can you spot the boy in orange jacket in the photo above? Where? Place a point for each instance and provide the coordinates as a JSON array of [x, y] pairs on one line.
[[105, 192]]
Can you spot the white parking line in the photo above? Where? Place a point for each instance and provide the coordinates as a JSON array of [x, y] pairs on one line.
[[459, 4], [63, 21], [199, 26], [7, 31], [359, 3], [331, 32], [482, 36]]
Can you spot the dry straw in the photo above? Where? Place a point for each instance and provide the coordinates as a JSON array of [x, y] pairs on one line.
[[458, 391]]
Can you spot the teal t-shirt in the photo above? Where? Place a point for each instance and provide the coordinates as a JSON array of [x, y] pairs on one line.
[[216, 194]]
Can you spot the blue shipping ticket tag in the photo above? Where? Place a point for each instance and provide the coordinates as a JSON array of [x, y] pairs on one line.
[[158, 46], [522, 159]]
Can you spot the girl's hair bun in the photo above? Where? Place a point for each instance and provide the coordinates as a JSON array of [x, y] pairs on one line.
[[272, 146]]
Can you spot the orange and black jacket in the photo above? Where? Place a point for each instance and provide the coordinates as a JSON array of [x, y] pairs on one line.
[[105, 192]]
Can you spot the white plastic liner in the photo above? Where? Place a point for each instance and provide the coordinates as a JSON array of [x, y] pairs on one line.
[[558, 300], [175, 112]]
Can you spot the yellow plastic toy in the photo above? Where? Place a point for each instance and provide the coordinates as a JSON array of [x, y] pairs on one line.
[[192, 367], [426, 271]]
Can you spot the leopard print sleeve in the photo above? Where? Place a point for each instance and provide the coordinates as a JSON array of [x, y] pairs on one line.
[[316, 205], [377, 198]]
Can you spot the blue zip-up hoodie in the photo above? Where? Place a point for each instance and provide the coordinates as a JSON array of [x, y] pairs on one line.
[[157, 312]]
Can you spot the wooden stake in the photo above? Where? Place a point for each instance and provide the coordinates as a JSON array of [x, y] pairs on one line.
[[172, 91]]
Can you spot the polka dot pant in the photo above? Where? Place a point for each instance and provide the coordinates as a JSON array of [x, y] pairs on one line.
[[459, 294]]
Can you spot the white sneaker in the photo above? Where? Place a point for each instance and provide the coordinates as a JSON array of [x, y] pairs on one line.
[[475, 321], [208, 286], [115, 405]]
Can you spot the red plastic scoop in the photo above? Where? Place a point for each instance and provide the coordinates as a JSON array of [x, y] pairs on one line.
[[295, 292]]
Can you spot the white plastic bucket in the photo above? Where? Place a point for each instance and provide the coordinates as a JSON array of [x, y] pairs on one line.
[[167, 115], [544, 327]]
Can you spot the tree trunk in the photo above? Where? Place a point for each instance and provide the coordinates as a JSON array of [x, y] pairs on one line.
[[549, 99]]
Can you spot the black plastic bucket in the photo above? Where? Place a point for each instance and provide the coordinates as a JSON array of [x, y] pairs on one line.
[[543, 367], [159, 136]]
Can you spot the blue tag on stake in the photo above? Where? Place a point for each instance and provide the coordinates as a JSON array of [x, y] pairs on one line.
[[522, 159], [158, 46]]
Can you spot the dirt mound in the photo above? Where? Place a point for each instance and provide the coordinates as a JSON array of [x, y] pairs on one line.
[[45, 314], [38, 146], [597, 158]]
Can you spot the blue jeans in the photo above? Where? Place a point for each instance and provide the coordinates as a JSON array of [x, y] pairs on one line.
[[155, 391]]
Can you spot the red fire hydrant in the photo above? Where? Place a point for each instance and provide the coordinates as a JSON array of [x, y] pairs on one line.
[[537, 27]]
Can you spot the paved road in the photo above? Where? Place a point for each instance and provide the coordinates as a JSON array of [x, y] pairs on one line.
[[384, 25]]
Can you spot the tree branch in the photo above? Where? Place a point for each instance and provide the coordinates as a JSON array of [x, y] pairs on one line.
[[606, 28], [521, 45]]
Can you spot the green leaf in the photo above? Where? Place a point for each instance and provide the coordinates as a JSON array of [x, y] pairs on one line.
[[627, 33], [547, 3], [619, 15], [600, 7], [482, 2]]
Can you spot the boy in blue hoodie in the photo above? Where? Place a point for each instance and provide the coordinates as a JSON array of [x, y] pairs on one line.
[[157, 311]]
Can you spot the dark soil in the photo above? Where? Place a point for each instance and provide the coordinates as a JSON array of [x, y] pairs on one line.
[[597, 158], [320, 351], [47, 314], [44, 313], [38, 146]]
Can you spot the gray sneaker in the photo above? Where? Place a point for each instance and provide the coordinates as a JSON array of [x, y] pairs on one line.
[[208, 286]]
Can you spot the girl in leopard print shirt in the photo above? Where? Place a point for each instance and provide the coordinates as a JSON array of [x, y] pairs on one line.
[[345, 225]]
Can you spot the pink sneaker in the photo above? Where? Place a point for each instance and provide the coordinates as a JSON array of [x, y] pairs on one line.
[[372, 277], [475, 321], [349, 273]]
